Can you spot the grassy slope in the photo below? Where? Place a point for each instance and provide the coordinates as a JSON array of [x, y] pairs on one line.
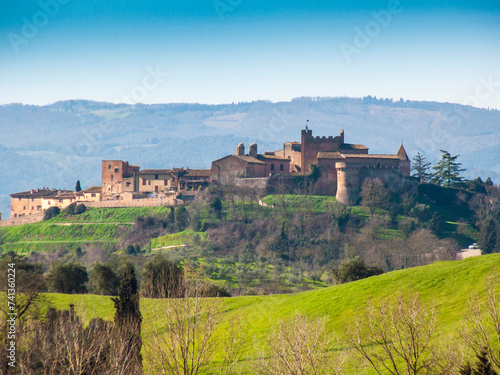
[[102, 225], [446, 285], [176, 238]]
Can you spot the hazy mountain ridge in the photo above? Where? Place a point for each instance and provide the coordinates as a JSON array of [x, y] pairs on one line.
[[57, 144]]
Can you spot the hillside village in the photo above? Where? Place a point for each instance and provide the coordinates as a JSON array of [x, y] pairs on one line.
[[342, 168]]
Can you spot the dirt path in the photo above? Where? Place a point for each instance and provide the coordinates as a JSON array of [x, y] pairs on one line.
[[68, 224], [168, 247], [467, 253]]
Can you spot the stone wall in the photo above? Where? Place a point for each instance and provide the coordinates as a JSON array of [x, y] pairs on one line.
[[253, 183], [312, 145], [34, 218]]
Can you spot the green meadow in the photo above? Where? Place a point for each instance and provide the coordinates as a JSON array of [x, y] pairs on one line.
[[446, 286]]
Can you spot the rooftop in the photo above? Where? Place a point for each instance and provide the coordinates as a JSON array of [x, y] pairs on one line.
[[35, 193]]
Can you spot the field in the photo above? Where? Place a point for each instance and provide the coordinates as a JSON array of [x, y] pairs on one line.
[[447, 286]]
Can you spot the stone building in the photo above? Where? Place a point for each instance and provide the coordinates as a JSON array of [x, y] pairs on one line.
[[117, 177], [36, 201], [92, 194], [343, 166], [251, 165]]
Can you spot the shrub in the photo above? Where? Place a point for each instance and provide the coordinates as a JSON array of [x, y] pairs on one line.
[[132, 250], [181, 218], [67, 278], [104, 279], [70, 210], [80, 209], [213, 290], [354, 269], [161, 278], [421, 212], [51, 212]]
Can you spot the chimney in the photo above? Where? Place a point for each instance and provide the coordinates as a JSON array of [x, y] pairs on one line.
[[342, 136], [240, 149], [252, 150]]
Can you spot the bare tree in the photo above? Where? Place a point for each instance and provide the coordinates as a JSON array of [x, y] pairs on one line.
[[61, 344], [395, 337], [299, 346], [374, 194], [482, 323], [184, 338]]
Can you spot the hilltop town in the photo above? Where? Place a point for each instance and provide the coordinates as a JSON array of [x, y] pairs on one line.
[[341, 168]]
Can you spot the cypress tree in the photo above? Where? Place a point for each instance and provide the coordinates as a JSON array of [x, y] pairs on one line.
[[128, 317]]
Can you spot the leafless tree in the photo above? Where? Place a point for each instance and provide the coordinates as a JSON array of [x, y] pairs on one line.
[[62, 344], [300, 345], [184, 335], [482, 322], [395, 337]]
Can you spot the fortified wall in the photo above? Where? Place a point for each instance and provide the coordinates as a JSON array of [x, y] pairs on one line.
[[312, 145]]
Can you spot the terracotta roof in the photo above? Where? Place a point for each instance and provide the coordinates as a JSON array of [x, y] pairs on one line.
[[330, 155], [64, 195], [370, 156], [248, 159], [92, 189], [35, 193], [155, 171], [349, 146], [197, 173], [272, 157]]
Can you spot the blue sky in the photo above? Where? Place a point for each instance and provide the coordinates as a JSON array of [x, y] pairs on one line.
[[241, 50]]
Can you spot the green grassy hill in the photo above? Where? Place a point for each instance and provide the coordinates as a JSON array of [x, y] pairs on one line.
[[444, 285], [96, 225]]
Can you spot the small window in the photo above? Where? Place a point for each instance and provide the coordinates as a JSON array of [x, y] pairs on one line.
[[111, 177], [144, 182], [117, 170], [272, 167], [173, 180], [149, 182], [24, 207], [281, 167], [128, 184], [165, 182], [93, 195], [32, 208], [156, 177], [109, 166]]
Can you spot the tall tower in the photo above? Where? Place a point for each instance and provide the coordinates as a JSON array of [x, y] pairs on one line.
[[348, 188]]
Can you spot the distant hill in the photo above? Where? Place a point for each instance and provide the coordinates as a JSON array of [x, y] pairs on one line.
[[56, 145]]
